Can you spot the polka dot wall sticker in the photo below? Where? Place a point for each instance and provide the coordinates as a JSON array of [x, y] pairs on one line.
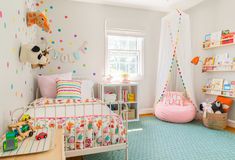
[[66, 17], [51, 7], [74, 71], [75, 35], [12, 86], [50, 20], [1, 14], [84, 65], [58, 67], [59, 30], [61, 41], [8, 64], [76, 55], [94, 74]]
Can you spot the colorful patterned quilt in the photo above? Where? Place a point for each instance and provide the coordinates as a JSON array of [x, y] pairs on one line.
[[86, 131]]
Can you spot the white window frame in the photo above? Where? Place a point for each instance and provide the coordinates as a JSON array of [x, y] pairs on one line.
[[121, 32]]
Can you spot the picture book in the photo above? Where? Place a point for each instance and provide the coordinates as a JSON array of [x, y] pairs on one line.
[[217, 84]]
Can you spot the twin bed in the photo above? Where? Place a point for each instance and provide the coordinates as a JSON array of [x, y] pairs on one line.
[[90, 126]]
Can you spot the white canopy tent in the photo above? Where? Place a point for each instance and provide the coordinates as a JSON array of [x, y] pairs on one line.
[[175, 71]]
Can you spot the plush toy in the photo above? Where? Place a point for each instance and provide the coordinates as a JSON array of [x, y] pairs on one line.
[[226, 102], [206, 107], [217, 107], [39, 19], [34, 55]]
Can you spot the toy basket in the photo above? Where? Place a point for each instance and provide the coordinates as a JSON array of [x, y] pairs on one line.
[[215, 121]]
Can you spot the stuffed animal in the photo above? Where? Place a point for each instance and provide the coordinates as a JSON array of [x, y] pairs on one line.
[[34, 55], [39, 19], [206, 107], [217, 107], [226, 103]]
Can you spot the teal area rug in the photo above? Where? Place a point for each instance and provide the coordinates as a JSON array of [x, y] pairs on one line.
[[167, 141]]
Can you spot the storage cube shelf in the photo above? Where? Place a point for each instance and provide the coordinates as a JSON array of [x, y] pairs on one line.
[[125, 92]]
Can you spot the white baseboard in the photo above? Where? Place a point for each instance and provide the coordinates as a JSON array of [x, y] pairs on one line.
[[231, 123], [146, 110]]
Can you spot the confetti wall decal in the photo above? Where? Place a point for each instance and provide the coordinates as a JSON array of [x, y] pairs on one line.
[[70, 45], [18, 79], [1, 14]]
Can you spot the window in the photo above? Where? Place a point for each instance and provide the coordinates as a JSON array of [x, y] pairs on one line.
[[124, 54]]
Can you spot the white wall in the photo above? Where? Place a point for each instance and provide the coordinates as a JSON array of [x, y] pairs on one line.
[[16, 84], [88, 22], [211, 16]]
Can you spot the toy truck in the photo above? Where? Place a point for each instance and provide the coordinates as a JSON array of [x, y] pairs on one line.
[[11, 142]]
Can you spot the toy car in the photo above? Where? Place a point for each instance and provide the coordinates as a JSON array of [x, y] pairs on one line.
[[10, 144], [25, 117], [41, 136]]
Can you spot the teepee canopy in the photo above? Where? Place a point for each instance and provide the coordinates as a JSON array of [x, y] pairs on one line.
[[175, 71]]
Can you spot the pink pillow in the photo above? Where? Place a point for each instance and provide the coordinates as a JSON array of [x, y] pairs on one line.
[[174, 98], [47, 83]]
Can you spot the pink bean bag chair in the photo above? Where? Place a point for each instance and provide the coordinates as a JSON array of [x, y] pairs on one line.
[[175, 113]]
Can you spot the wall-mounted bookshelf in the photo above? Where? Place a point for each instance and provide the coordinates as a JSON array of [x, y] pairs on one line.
[[224, 93], [219, 68], [209, 45]]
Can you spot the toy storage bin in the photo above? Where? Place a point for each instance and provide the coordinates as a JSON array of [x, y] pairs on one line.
[[215, 121], [110, 97], [131, 114]]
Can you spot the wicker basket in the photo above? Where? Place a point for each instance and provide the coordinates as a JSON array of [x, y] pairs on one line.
[[215, 121]]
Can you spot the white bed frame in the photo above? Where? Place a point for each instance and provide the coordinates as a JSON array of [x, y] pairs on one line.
[[84, 151]]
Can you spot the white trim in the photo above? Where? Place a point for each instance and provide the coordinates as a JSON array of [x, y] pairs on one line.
[[231, 123], [101, 149], [146, 110], [125, 32]]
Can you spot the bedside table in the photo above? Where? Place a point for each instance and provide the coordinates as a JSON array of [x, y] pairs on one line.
[[54, 154]]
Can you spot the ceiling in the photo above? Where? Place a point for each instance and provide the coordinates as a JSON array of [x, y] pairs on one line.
[[158, 5]]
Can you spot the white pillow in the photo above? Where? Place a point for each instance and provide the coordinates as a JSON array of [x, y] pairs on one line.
[[87, 89]]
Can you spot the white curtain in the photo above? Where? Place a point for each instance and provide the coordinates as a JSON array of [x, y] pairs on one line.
[[175, 30]]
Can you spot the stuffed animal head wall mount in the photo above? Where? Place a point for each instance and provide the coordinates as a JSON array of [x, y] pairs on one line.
[[38, 18], [34, 55]]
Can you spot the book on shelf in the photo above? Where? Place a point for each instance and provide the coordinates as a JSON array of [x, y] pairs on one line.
[[227, 85], [215, 38], [125, 95], [208, 64], [216, 86]]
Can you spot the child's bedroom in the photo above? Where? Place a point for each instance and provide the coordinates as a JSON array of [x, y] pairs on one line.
[[117, 80]]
